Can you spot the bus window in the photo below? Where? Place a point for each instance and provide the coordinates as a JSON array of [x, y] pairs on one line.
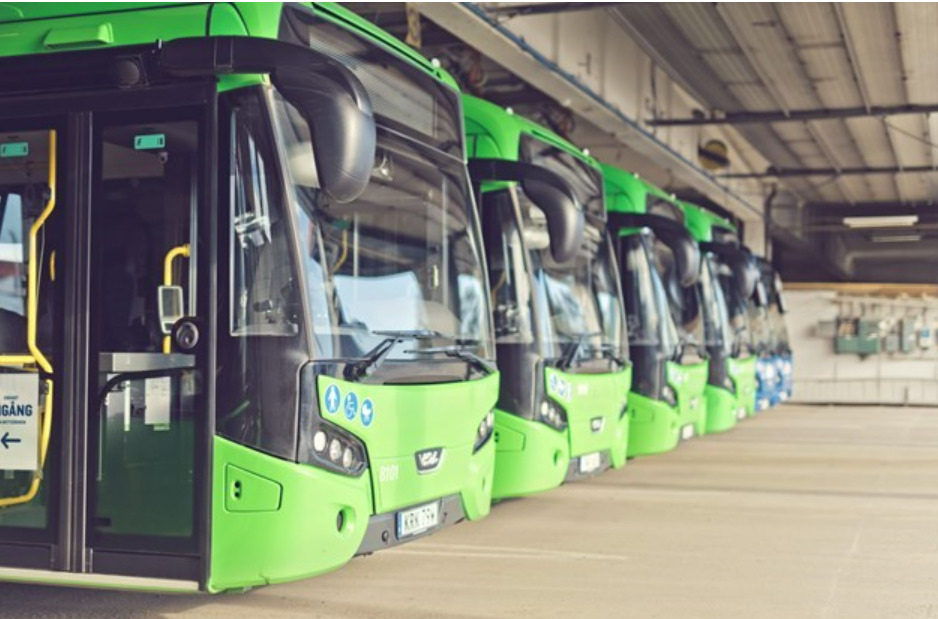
[[265, 341]]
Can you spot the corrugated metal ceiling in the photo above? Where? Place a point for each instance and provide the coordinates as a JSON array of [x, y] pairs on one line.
[[798, 56]]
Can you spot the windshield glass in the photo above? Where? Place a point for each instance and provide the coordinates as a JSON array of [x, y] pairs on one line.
[[579, 301], [683, 302], [581, 297], [511, 293], [761, 335], [402, 257], [649, 317], [779, 330], [715, 315], [740, 332]]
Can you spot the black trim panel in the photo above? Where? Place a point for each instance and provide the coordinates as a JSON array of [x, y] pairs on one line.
[[155, 566]]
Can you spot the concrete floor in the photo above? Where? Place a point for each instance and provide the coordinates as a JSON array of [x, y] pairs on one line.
[[805, 512]]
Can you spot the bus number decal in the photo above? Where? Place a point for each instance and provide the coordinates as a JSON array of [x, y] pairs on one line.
[[388, 473]]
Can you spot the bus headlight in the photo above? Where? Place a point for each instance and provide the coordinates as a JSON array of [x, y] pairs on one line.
[[322, 442], [484, 433], [337, 450], [552, 414]]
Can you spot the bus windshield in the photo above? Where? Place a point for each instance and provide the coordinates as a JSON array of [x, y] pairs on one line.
[[579, 304], [779, 330], [404, 257], [649, 318], [760, 329], [740, 330], [581, 298]]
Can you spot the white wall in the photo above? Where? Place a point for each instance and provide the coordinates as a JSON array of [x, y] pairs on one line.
[[821, 376]]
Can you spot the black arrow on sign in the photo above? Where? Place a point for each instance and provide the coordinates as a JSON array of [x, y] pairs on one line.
[[6, 439]]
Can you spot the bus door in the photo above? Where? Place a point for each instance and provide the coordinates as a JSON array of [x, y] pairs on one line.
[[105, 296]]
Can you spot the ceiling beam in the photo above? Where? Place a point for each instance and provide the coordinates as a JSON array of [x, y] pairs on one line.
[[791, 172], [781, 116], [546, 8]]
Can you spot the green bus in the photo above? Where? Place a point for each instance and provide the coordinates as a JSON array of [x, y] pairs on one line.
[[740, 279], [559, 323], [655, 250], [239, 240], [728, 274]]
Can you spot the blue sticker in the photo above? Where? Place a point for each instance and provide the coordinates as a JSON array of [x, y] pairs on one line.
[[351, 405], [368, 412], [333, 397], [553, 382]]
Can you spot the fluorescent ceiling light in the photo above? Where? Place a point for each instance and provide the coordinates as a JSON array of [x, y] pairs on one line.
[[883, 221], [897, 238]]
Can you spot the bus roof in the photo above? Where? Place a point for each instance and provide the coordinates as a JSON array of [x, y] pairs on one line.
[[44, 27], [626, 192], [701, 222], [493, 131]]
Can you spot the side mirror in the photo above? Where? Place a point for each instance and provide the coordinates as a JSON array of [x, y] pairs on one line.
[[565, 220], [740, 262], [171, 307], [328, 95], [686, 256], [342, 126], [760, 294], [780, 298], [745, 272], [549, 191], [670, 232]]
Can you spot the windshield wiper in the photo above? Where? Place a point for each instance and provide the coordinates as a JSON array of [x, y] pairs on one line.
[[689, 342], [607, 350], [573, 348], [373, 358], [459, 351]]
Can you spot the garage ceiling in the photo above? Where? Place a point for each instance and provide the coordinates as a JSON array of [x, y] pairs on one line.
[[781, 57]]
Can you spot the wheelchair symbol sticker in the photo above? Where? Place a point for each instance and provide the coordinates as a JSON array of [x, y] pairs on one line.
[[351, 405]]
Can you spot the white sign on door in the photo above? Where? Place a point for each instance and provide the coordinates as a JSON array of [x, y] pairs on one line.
[[19, 422]]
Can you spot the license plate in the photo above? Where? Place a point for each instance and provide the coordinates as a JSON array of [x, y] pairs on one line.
[[418, 519], [590, 463], [687, 432]]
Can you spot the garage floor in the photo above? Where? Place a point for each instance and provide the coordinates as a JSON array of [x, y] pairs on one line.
[[805, 512]]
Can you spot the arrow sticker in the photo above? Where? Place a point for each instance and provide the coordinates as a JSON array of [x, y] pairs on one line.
[[6, 440]]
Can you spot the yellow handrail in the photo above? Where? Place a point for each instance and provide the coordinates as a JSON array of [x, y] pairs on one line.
[[32, 296], [176, 252], [32, 325], [181, 251]]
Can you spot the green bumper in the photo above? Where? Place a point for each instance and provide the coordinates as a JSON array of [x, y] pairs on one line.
[[275, 521], [530, 456], [722, 410], [654, 427]]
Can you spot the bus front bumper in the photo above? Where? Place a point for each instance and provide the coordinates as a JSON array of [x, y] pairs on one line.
[[387, 530]]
